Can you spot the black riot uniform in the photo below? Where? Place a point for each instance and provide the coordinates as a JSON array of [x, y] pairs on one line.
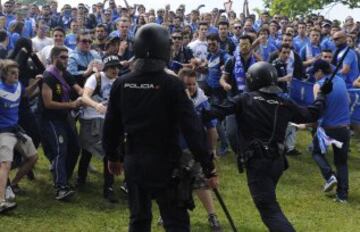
[[262, 117], [148, 108]]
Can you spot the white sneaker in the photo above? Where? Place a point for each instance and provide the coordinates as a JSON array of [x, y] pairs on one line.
[[330, 184], [9, 194], [6, 206]]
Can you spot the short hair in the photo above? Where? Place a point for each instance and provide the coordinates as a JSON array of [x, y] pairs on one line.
[[315, 30], [213, 36], [82, 33], [102, 25], [264, 29], [186, 72], [223, 23], [6, 65], [3, 36], [327, 51], [246, 37], [55, 51], [203, 23], [289, 35], [284, 46], [59, 29]]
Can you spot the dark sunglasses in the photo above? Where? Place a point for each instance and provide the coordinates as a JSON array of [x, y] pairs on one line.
[[177, 38], [64, 57], [237, 27]]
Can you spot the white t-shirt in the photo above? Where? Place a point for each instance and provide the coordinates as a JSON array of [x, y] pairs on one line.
[[106, 84], [199, 49], [44, 54], [39, 44]]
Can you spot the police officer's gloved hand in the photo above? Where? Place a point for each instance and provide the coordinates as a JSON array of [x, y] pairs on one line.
[[327, 87]]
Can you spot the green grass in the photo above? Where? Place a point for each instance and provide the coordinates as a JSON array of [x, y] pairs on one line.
[[299, 193]]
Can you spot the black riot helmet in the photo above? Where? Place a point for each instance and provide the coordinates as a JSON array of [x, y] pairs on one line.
[[262, 76], [152, 41]]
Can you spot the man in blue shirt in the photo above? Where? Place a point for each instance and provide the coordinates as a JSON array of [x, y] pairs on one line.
[[311, 51], [301, 39], [349, 69], [82, 60], [335, 122], [328, 42], [226, 43], [215, 62], [11, 135]]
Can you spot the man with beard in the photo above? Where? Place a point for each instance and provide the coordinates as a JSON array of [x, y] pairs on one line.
[[349, 69], [233, 81], [59, 136], [100, 41], [181, 56], [226, 43]]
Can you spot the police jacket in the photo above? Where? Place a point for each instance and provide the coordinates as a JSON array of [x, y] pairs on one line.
[[265, 116], [148, 108]]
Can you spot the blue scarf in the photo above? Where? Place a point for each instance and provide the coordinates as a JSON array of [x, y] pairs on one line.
[[239, 72]]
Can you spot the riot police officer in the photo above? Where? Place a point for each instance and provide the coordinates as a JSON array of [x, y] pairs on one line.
[[262, 118], [148, 108]]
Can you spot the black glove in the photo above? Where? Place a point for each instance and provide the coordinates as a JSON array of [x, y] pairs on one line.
[[327, 87]]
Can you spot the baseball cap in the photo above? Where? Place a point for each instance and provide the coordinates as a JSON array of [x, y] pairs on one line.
[[111, 61], [319, 65]]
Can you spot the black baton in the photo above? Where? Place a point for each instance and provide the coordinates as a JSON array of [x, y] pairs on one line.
[[218, 196]]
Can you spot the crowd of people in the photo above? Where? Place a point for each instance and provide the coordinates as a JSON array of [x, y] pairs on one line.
[[58, 67]]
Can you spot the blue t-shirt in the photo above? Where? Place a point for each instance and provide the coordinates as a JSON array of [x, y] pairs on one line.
[[215, 61], [328, 44], [299, 43], [309, 50], [351, 60], [266, 50], [337, 110], [70, 41], [10, 97]]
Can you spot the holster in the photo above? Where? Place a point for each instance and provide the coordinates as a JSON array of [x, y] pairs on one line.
[[261, 150], [182, 179]]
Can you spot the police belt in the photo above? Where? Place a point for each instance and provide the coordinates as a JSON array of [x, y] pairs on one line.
[[259, 149]]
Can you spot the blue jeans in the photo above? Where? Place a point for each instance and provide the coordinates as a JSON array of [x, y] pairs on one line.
[[232, 131], [62, 149], [341, 134]]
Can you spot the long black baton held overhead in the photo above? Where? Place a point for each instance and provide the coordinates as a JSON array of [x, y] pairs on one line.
[[339, 64], [223, 206]]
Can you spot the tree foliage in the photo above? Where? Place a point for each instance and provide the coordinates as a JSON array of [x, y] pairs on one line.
[[293, 8]]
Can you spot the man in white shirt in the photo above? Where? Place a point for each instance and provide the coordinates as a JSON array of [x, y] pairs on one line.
[[96, 95], [199, 48], [58, 38], [41, 40]]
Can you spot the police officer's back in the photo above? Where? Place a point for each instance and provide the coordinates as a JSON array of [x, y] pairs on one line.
[[147, 110], [262, 117]]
